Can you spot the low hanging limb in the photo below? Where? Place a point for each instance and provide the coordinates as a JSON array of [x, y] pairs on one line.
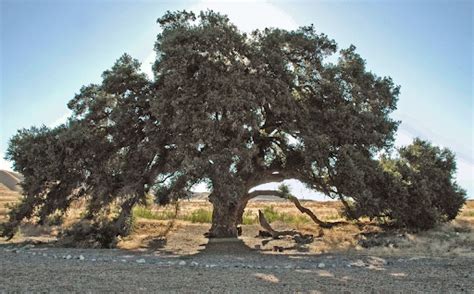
[[297, 203]]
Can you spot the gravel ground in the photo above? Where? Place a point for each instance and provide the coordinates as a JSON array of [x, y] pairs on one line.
[[226, 268]]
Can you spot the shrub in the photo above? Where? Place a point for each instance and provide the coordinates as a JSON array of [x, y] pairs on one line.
[[146, 213], [273, 215], [249, 218], [416, 189], [200, 215]]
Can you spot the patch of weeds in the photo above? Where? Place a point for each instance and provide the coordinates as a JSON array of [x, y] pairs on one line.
[[272, 215], [468, 213], [249, 218], [200, 215], [332, 217], [146, 213]]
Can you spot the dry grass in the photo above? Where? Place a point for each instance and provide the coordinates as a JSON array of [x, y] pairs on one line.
[[159, 229]]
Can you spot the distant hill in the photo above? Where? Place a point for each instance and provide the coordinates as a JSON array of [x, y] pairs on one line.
[[11, 180], [203, 196]]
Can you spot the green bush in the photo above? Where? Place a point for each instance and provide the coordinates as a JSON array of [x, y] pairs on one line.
[[272, 215], [416, 189], [146, 213], [200, 215], [249, 218]]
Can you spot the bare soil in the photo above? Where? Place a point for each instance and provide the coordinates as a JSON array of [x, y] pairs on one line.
[[171, 257], [229, 267]]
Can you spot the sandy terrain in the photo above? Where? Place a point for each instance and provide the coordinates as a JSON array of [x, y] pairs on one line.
[[174, 256], [230, 269]]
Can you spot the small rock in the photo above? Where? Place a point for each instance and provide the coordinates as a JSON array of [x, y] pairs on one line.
[[288, 266], [123, 260], [33, 253], [93, 259], [321, 265], [81, 257], [193, 263], [68, 256], [182, 262], [358, 263], [141, 260]]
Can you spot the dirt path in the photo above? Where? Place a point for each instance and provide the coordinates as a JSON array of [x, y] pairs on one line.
[[226, 268]]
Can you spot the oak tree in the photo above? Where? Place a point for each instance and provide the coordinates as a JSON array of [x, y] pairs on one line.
[[225, 108]]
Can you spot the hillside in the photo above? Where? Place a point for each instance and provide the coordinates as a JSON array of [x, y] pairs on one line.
[[11, 180], [10, 191]]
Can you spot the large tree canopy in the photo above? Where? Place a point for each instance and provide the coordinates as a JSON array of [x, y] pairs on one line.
[[229, 109]]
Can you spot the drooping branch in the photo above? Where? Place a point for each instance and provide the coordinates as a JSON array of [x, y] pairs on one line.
[[295, 201]]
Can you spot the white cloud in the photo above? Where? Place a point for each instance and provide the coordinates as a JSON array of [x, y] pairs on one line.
[[60, 120], [250, 15], [4, 164]]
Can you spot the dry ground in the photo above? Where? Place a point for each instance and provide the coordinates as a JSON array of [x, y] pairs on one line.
[[348, 258]]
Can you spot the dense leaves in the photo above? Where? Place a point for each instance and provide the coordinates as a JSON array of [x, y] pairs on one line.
[[419, 189], [225, 108]]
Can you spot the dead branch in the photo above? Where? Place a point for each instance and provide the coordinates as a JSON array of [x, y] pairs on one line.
[[275, 234]]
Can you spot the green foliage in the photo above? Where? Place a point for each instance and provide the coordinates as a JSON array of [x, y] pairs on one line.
[[272, 215], [416, 189], [146, 213], [468, 213], [285, 190], [230, 109], [200, 215], [249, 218]]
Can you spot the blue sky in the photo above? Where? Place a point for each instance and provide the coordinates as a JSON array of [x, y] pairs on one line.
[[49, 49]]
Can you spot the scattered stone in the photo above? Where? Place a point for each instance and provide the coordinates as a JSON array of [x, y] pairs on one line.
[[182, 262], [193, 263], [45, 254], [278, 249], [123, 260], [141, 260], [321, 265], [289, 266], [68, 256], [81, 257], [93, 259]]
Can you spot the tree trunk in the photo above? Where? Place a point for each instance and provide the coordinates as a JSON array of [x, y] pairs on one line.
[[226, 215]]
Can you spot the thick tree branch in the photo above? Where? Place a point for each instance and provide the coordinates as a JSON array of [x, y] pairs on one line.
[[295, 201]]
